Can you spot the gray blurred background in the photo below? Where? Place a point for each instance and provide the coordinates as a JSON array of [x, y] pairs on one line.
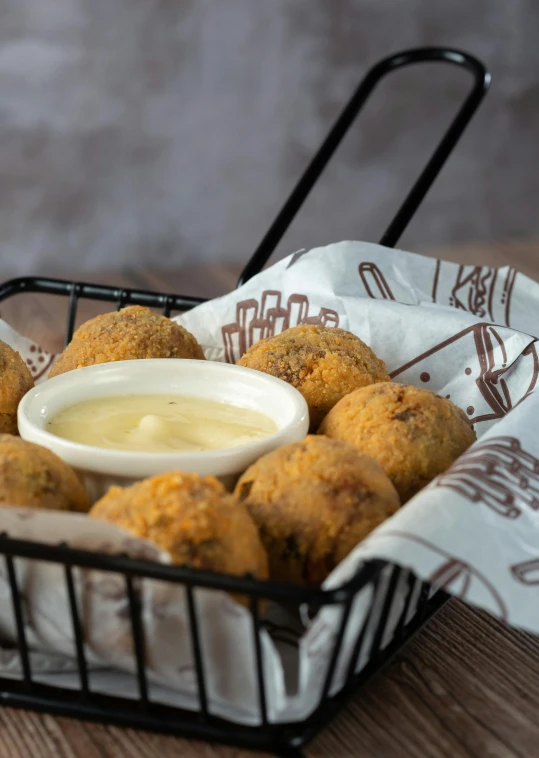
[[168, 132]]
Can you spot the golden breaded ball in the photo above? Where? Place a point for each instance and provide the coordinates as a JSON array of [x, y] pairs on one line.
[[413, 433], [15, 381], [31, 475], [313, 501], [323, 363], [134, 332], [193, 518]]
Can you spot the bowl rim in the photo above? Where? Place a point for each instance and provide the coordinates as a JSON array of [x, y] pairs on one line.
[[127, 462]]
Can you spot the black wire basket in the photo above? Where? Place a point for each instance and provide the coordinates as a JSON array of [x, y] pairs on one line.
[[381, 631]]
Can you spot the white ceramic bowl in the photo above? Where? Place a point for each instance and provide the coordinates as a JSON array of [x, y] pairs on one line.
[[99, 468]]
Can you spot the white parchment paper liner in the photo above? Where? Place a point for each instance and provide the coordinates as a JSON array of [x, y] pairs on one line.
[[462, 331]]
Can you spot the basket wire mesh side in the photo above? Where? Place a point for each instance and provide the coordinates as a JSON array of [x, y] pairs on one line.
[[381, 631], [143, 713]]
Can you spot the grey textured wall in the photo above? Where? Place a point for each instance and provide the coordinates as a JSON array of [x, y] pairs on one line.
[[168, 131]]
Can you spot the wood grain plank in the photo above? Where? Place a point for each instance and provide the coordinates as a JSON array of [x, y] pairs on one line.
[[24, 734], [466, 686]]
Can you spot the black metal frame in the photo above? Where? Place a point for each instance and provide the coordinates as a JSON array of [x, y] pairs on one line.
[[284, 739]]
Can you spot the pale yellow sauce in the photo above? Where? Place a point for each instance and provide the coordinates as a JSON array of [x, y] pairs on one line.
[[160, 424]]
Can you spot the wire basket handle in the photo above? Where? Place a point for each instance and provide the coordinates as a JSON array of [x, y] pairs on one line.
[[414, 198]]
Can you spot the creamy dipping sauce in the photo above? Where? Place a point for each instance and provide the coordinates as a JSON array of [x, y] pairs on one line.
[[160, 424]]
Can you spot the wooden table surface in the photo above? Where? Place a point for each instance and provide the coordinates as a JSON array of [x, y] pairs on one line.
[[466, 685]]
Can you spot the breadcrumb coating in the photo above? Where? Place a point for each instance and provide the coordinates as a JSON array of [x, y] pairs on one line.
[[413, 433], [32, 476], [15, 381], [323, 363], [132, 333], [313, 501], [193, 518]]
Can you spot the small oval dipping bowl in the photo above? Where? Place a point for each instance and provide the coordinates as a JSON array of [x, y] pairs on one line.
[[99, 468]]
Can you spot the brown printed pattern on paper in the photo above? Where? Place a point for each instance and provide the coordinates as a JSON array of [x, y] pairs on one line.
[[40, 371], [454, 575], [375, 283], [498, 473], [37, 360], [526, 572], [487, 369], [256, 320], [474, 290]]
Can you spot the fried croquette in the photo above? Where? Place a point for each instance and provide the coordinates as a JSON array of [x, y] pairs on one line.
[[413, 433], [132, 333], [15, 381], [32, 476], [312, 502], [193, 518], [323, 363]]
